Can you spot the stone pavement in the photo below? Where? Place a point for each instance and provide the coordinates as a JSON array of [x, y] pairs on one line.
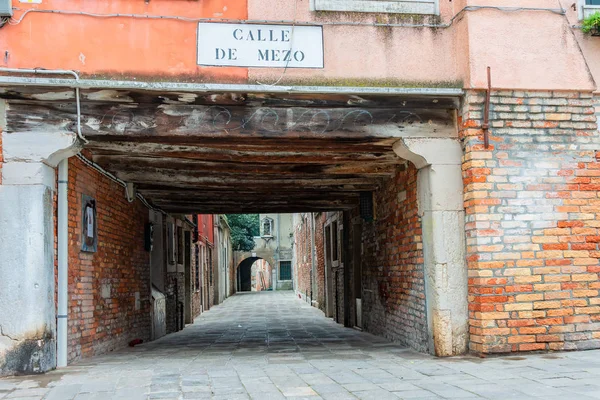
[[274, 346]]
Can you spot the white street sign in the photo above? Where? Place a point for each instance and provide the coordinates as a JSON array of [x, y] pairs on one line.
[[249, 45]]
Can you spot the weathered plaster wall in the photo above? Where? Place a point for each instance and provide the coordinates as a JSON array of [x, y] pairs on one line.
[[261, 267], [1, 158], [365, 53], [27, 308], [118, 46], [589, 45], [27, 246], [517, 44], [532, 222], [514, 44], [303, 263], [109, 290]]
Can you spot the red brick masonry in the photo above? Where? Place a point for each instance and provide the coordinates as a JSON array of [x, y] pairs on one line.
[[103, 285], [532, 222]]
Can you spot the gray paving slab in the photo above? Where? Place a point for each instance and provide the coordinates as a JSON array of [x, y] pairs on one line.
[[272, 346]]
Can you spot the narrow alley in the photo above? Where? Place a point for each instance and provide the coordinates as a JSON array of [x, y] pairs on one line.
[[271, 345]]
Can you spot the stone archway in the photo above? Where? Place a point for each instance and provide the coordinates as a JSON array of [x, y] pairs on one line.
[[245, 259], [244, 274]]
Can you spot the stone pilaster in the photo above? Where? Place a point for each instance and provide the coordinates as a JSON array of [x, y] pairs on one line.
[[440, 204], [27, 305]]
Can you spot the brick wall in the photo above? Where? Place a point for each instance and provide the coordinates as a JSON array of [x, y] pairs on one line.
[[175, 293], [392, 264], [102, 286], [354, 223], [532, 222], [320, 219], [304, 256]]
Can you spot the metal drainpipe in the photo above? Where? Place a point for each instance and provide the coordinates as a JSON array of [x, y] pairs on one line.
[[276, 267], [312, 256], [56, 72], [63, 263]]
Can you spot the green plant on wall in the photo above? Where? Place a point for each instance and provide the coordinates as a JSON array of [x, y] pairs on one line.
[[591, 24], [243, 229]]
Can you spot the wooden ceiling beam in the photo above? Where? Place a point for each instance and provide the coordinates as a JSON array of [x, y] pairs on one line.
[[142, 120], [215, 168], [49, 94]]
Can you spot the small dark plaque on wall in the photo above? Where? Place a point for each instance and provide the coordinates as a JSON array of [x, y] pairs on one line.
[[89, 225]]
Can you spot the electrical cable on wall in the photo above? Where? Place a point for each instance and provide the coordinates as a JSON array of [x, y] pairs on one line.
[[121, 182], [291, 49], [294, 22], [12, 21]]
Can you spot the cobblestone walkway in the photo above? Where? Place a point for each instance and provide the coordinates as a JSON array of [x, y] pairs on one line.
[[274, 346]]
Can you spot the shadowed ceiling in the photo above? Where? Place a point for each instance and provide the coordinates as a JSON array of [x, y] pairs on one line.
[[238, 152]]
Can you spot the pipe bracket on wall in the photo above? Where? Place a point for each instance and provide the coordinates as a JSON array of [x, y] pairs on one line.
[[486, 116], [130, 192]]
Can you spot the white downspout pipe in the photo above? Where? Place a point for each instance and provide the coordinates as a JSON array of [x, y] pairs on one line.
[[63, 263], [312, 259], [278, 262]]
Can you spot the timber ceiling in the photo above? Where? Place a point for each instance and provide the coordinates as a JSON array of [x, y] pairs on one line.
[[235, 152]]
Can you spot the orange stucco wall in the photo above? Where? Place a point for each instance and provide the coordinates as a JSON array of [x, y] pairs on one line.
[[117, 46]]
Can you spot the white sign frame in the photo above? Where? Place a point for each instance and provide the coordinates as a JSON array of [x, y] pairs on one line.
[[260, 45]]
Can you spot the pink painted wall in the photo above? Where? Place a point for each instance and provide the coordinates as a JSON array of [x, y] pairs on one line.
[[526, 49], [589, 45], [355, 53]]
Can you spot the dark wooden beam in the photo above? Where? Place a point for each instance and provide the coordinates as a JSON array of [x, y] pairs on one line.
[[354, 183], [111, 120], [188, 190], [215, 168], [241, 157], [245, 193], [232, 98], [241, 209]]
